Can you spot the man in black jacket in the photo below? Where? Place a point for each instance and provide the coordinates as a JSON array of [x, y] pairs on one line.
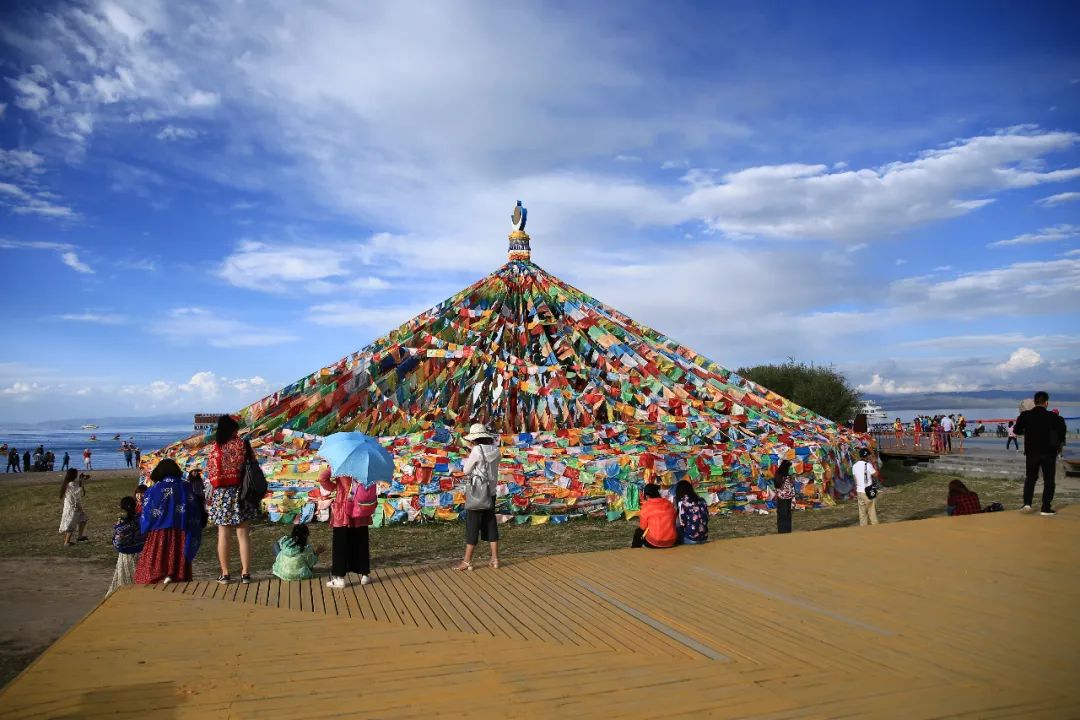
[[1044, 436]]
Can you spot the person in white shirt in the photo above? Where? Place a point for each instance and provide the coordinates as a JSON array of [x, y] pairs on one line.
[[482, 524], [864, 475], [947, 427]]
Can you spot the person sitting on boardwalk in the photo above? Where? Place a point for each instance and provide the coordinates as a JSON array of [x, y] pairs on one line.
[[295, 558], [693, 514], [656, 521], [171, 522], [961, 500]]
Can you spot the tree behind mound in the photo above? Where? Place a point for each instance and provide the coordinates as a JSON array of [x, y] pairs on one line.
[[821, 389]]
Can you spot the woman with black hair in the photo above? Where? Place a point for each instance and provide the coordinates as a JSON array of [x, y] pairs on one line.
[[225, 470], [170, 521], [785, 494], [693, 514], [72, 515]]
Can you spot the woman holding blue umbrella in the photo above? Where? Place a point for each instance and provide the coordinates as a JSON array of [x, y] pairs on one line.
[[356, 464]]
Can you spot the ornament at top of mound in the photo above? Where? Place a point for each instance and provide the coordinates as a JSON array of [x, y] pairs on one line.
[[519, 239]]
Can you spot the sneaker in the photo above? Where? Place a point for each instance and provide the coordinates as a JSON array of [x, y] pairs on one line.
[[224, 580], [337, 583], [365, 580], [83, 539], [1048, 513], [166, 581], [245, 579], [1026, 508]]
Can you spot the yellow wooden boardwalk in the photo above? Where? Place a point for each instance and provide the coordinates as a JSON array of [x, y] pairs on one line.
[[954, 617]]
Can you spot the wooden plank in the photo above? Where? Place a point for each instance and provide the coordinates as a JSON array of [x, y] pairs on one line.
[[785, 630], [314, 589]]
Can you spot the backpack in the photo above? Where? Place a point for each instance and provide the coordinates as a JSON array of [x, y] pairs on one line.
[[361, 501], [253, 485], [477, 493]]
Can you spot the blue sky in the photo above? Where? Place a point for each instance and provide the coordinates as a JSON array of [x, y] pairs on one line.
[[202, 202]]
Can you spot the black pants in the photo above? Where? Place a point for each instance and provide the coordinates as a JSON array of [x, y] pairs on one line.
[[948, 441], [783, 516], [1011, 441], [1046, 462], [351, 552], [640, 541]]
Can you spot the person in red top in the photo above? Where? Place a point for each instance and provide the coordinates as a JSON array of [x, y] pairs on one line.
[[350, 516], [656, 523], [961, 500], [225, 469]]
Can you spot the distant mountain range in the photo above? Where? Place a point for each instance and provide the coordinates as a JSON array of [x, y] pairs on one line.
[[109, 423], [973, 399]]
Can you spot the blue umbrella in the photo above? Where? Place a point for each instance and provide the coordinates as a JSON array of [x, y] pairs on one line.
[[358, 456]]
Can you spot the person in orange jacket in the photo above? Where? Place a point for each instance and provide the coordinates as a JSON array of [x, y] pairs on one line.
[[656, 521]]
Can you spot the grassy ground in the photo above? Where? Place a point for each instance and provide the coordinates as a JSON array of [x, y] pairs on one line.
[[32, 515]]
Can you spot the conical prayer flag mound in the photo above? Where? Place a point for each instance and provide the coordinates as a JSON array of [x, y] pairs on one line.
[[589, 403]]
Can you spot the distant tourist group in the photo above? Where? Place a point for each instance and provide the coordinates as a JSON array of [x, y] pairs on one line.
[[40, 460], [941, 432]]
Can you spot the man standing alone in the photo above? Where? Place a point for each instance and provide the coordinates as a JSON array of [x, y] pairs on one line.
[[947, 427], [1044, 436]]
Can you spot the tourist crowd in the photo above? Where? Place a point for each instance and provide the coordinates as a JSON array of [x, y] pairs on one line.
[[159, 530]]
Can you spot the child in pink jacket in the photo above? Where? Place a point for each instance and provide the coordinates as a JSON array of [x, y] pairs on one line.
[[350, 517]]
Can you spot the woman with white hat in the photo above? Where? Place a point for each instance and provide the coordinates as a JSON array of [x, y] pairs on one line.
[[481, 524]]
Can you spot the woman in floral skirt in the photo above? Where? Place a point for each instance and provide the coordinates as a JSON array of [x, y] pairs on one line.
[[225, 471], [170, 521]]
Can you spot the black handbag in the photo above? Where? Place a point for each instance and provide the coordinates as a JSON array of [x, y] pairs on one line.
[[871, 490], [253, 485]]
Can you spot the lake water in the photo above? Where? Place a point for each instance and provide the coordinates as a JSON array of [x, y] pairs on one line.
[[106, 451]]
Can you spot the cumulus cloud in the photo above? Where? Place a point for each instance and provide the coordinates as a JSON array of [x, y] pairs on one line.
[[1021, 359], [1056, 233], [202, 387], [879, 385], [379, 319]]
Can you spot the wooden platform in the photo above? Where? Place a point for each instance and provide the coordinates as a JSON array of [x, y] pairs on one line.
[[953, 617]]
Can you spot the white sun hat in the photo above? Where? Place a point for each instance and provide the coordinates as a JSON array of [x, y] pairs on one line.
[[477, 431]]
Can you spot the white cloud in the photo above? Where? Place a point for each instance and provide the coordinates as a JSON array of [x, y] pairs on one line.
[[1045, 287], [286, 268], [379, 319], [15, 162], [1056, 233], [94, 318], [1058, 199], [3, 110], [22, 201], [1021, 359], [24, 391], [879, 385], [203, 387], [72, 260], [901, 261], [195, 326], [627, 158], [810, 201], [65, 251], [172, 132]]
